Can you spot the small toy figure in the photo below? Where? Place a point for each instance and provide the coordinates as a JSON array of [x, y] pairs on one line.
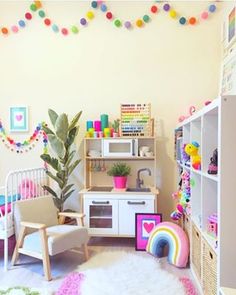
[[191, 110], [182, 196], [213, 167], [185, 156], [192, 150]]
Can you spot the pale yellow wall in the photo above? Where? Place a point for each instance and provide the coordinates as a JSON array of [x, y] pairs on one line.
[[166, 64]]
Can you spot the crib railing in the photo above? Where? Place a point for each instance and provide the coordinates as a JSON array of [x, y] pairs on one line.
[[20, 185]]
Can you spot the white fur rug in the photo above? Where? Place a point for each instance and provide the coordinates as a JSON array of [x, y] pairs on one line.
[[125, 273]]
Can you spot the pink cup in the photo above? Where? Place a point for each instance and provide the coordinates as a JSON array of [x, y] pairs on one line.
[[97, 125]]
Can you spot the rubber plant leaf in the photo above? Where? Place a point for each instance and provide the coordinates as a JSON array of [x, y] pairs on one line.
[[53, 116], [57, 145], [61, 127]]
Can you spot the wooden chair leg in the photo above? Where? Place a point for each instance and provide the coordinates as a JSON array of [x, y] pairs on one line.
[[46, 261], [86, 254], [19, 244]]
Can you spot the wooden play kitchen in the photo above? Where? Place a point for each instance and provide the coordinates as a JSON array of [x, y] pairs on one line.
[[110, 211]]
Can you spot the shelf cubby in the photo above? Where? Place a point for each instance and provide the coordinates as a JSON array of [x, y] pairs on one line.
[[209, 204], [196, 205], [196, 129], [209, 137]]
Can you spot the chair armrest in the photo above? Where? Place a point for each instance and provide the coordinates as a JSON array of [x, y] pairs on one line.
[[78, 216], [71, 214], [33, 225]]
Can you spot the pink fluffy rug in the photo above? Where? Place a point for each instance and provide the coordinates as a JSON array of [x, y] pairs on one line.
[[72, 282]]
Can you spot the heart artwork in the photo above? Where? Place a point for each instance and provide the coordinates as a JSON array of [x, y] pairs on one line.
[[19, 117], [148, 226]]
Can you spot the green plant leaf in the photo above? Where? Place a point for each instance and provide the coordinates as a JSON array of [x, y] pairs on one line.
[[53, 116], [57, 179], [70, 157], [71, 136], [61, 127], [75, 120], [67, 188], [50, 190], [47, 130], [57, 145], [119, 169], [58, 203], [63, 176], [66, 196], [73, 166], [53, 162]]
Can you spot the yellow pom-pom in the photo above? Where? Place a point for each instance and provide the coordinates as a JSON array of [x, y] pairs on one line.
[[38, 4], [173, 13], [139, 23], [90, 15]]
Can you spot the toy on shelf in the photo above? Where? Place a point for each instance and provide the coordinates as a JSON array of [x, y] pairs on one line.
[[100, 128], [213, 166], [212, 226], [192, 109], [191, 149], [183, 196], [185, 157], [116, 125], [136, 119]]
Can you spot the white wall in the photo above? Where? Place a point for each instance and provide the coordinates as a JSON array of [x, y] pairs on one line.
[[164, 63]]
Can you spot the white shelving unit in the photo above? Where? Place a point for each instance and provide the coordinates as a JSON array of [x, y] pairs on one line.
[[212, 261]]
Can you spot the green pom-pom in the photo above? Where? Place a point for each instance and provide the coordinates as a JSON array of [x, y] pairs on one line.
[[41, 13], [33, 7], [117, 23], [74, 29], [192, 182], [146, 18]]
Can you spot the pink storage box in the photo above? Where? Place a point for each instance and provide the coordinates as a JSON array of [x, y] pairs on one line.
[[212, 227]]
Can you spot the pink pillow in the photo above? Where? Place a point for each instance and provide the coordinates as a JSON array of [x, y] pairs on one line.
[[27, 189]]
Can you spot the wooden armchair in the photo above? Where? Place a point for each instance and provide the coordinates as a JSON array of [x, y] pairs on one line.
[[41, 233]]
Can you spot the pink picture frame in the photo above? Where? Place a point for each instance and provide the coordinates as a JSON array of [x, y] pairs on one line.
[[144, 224]]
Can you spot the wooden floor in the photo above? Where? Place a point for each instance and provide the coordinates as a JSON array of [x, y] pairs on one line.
[[30, 271]]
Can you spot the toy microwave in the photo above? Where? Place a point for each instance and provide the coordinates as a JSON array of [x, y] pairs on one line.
[[120, 148]]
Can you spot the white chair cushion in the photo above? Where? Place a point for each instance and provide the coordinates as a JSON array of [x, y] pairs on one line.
[[39, 210], [60, 238]]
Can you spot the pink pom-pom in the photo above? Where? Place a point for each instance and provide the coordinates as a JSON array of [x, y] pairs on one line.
[[204, 15]]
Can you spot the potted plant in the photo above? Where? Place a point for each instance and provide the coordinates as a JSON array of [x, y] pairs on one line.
[[115, 126], [120, 172], [61, 141]]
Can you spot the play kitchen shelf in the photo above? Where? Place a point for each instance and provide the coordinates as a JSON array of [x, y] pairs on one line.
[[111, 212], [212, 257], [101, 153]]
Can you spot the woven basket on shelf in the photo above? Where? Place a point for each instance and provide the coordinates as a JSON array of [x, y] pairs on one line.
[[187, 225], [209, 270], [196, 251]]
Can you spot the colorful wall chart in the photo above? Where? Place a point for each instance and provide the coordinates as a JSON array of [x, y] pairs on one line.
[[136, 120]]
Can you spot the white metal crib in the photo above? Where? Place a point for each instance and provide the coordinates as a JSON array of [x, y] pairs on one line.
[[19, 184]]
